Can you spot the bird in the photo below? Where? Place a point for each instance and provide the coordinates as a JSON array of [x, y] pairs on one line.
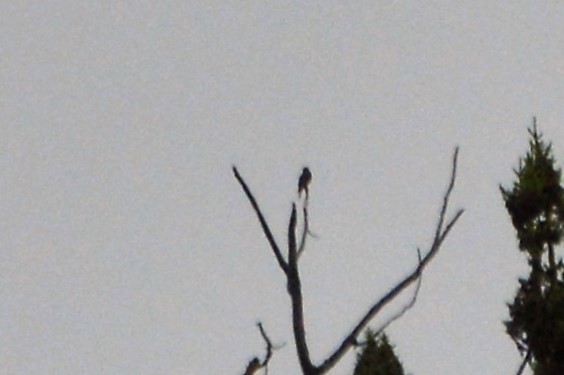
[[303, 183]]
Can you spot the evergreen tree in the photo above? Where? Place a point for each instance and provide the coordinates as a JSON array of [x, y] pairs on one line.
[[377, 357], [536, 206]]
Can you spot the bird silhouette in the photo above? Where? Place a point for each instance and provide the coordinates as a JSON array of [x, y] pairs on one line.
[[303, 183]]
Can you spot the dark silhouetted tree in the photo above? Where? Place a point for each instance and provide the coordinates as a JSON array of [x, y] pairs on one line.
[[536, 206], [377, 357]]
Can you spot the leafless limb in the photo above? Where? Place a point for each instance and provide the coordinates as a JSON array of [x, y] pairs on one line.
[[305, 232], [255, 364], [291, 270], [400, 313], [524, 363], [263, 222], [268, 347], [440, 235]]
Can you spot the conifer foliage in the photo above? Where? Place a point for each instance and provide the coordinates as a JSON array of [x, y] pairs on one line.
[[377, 357], [536, 206]]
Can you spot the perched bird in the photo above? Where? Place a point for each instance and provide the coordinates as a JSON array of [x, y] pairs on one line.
[[303, 183]]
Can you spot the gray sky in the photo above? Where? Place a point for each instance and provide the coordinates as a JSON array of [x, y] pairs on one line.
[[127, 246]]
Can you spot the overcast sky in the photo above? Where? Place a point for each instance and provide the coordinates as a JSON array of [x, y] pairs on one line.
[[126, 245]]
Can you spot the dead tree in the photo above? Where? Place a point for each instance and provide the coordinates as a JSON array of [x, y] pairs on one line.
[[290, 268]]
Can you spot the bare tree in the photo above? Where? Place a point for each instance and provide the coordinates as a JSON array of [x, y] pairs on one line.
[[290, 268]]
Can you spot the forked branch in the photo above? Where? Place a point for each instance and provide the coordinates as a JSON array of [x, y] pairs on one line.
[[291, 270], [440, 235], [256, 364]]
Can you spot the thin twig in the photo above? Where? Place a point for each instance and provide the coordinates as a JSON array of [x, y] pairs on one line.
[[447, 195], [268, 346], [400, 313], [305, 231], [255, 364]]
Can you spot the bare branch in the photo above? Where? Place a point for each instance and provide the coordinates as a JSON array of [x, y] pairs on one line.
[[268, 345], [292, 247], [400, 313], [447, 195], [525, 361], [440, 235], [255, 364], [291, 270], [295, 291], [304, 233], [263, 222]]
